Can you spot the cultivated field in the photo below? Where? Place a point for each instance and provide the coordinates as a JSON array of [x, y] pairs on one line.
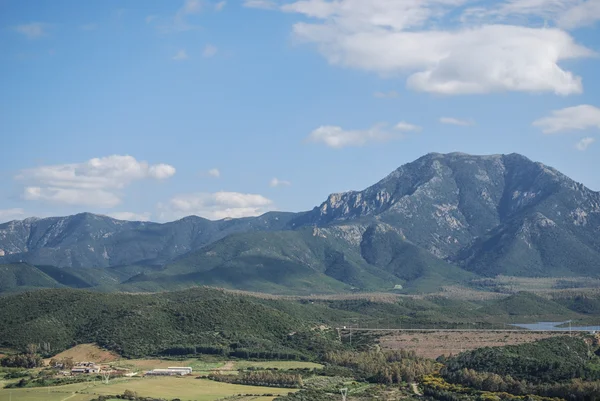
[[434, 344], [185, 388]]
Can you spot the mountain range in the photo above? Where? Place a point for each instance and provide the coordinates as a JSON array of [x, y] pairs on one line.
[[442, 219]]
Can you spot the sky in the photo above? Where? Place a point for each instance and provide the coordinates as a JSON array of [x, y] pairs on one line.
[[155, 110]]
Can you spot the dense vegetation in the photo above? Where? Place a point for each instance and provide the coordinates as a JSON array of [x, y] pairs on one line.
[[549, 360], [384, 367], [27, 361], [214, 322], [264, 378], [564, 367], [140, 325]]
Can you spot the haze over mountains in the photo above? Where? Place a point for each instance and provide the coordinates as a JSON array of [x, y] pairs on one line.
[[439, 220]]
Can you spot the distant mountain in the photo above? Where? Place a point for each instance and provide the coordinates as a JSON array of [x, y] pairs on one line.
[[441, 219], [489, 214], [89, 240]]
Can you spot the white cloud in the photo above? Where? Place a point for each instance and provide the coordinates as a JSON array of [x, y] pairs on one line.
[[583, 14], [214, 172], [386, 95], [161, 171], [150, 18], [209, 51], [181, 55], [575, 118], [337, 137], [403, 38], [456, 121], [11, 214], [276, 182], [32, 30], [584, 143], [406, 127], [220, 5], [72, 196], [130, 216], [217, 205], [93, 183], [263, 4]]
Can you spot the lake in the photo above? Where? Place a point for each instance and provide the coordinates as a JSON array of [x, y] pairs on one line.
[[553, 326]]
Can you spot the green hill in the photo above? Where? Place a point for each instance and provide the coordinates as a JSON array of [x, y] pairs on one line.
[[526, 304], [549, 360], [22, 277], [308, 260], [140, 325]]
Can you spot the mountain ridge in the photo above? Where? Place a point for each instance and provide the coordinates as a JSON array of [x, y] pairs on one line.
[[484, 215]]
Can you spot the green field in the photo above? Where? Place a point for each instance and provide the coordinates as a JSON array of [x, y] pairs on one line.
[[281, 365], [205, 367], [186, 388], [144, 365]]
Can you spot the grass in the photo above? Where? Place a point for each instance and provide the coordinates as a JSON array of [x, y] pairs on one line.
[[186, 388], [143, 365], [42, 394], [281, 365]]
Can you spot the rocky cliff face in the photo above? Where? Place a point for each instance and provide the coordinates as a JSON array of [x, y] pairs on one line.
[[445, 203]]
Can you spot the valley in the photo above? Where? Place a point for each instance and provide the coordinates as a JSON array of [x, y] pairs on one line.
[[414, 288]]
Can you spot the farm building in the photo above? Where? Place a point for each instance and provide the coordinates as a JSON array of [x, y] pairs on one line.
[[188, 370], [85, 367], [173, 371]]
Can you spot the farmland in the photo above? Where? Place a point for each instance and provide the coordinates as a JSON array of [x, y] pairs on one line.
[[188, 388], [210, 364], [432, 344]]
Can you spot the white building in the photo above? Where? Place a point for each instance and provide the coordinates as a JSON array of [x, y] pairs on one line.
[[173, 371], [185, 369]]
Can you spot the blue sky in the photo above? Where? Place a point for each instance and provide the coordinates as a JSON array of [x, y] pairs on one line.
[[161, 109]]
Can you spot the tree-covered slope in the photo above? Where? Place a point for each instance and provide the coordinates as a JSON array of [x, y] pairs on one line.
[[372, 257], [139, 325], [545, 361], [22, 277]]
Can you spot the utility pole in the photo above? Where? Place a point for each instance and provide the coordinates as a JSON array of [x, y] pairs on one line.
[[350, 336]]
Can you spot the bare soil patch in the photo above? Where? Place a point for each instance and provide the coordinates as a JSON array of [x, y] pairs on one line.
[[89, 353], [434, 344]]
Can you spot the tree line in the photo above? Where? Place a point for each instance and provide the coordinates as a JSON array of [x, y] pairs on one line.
[[262, 378], [386, 367], [576, 389], [244, 353]]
